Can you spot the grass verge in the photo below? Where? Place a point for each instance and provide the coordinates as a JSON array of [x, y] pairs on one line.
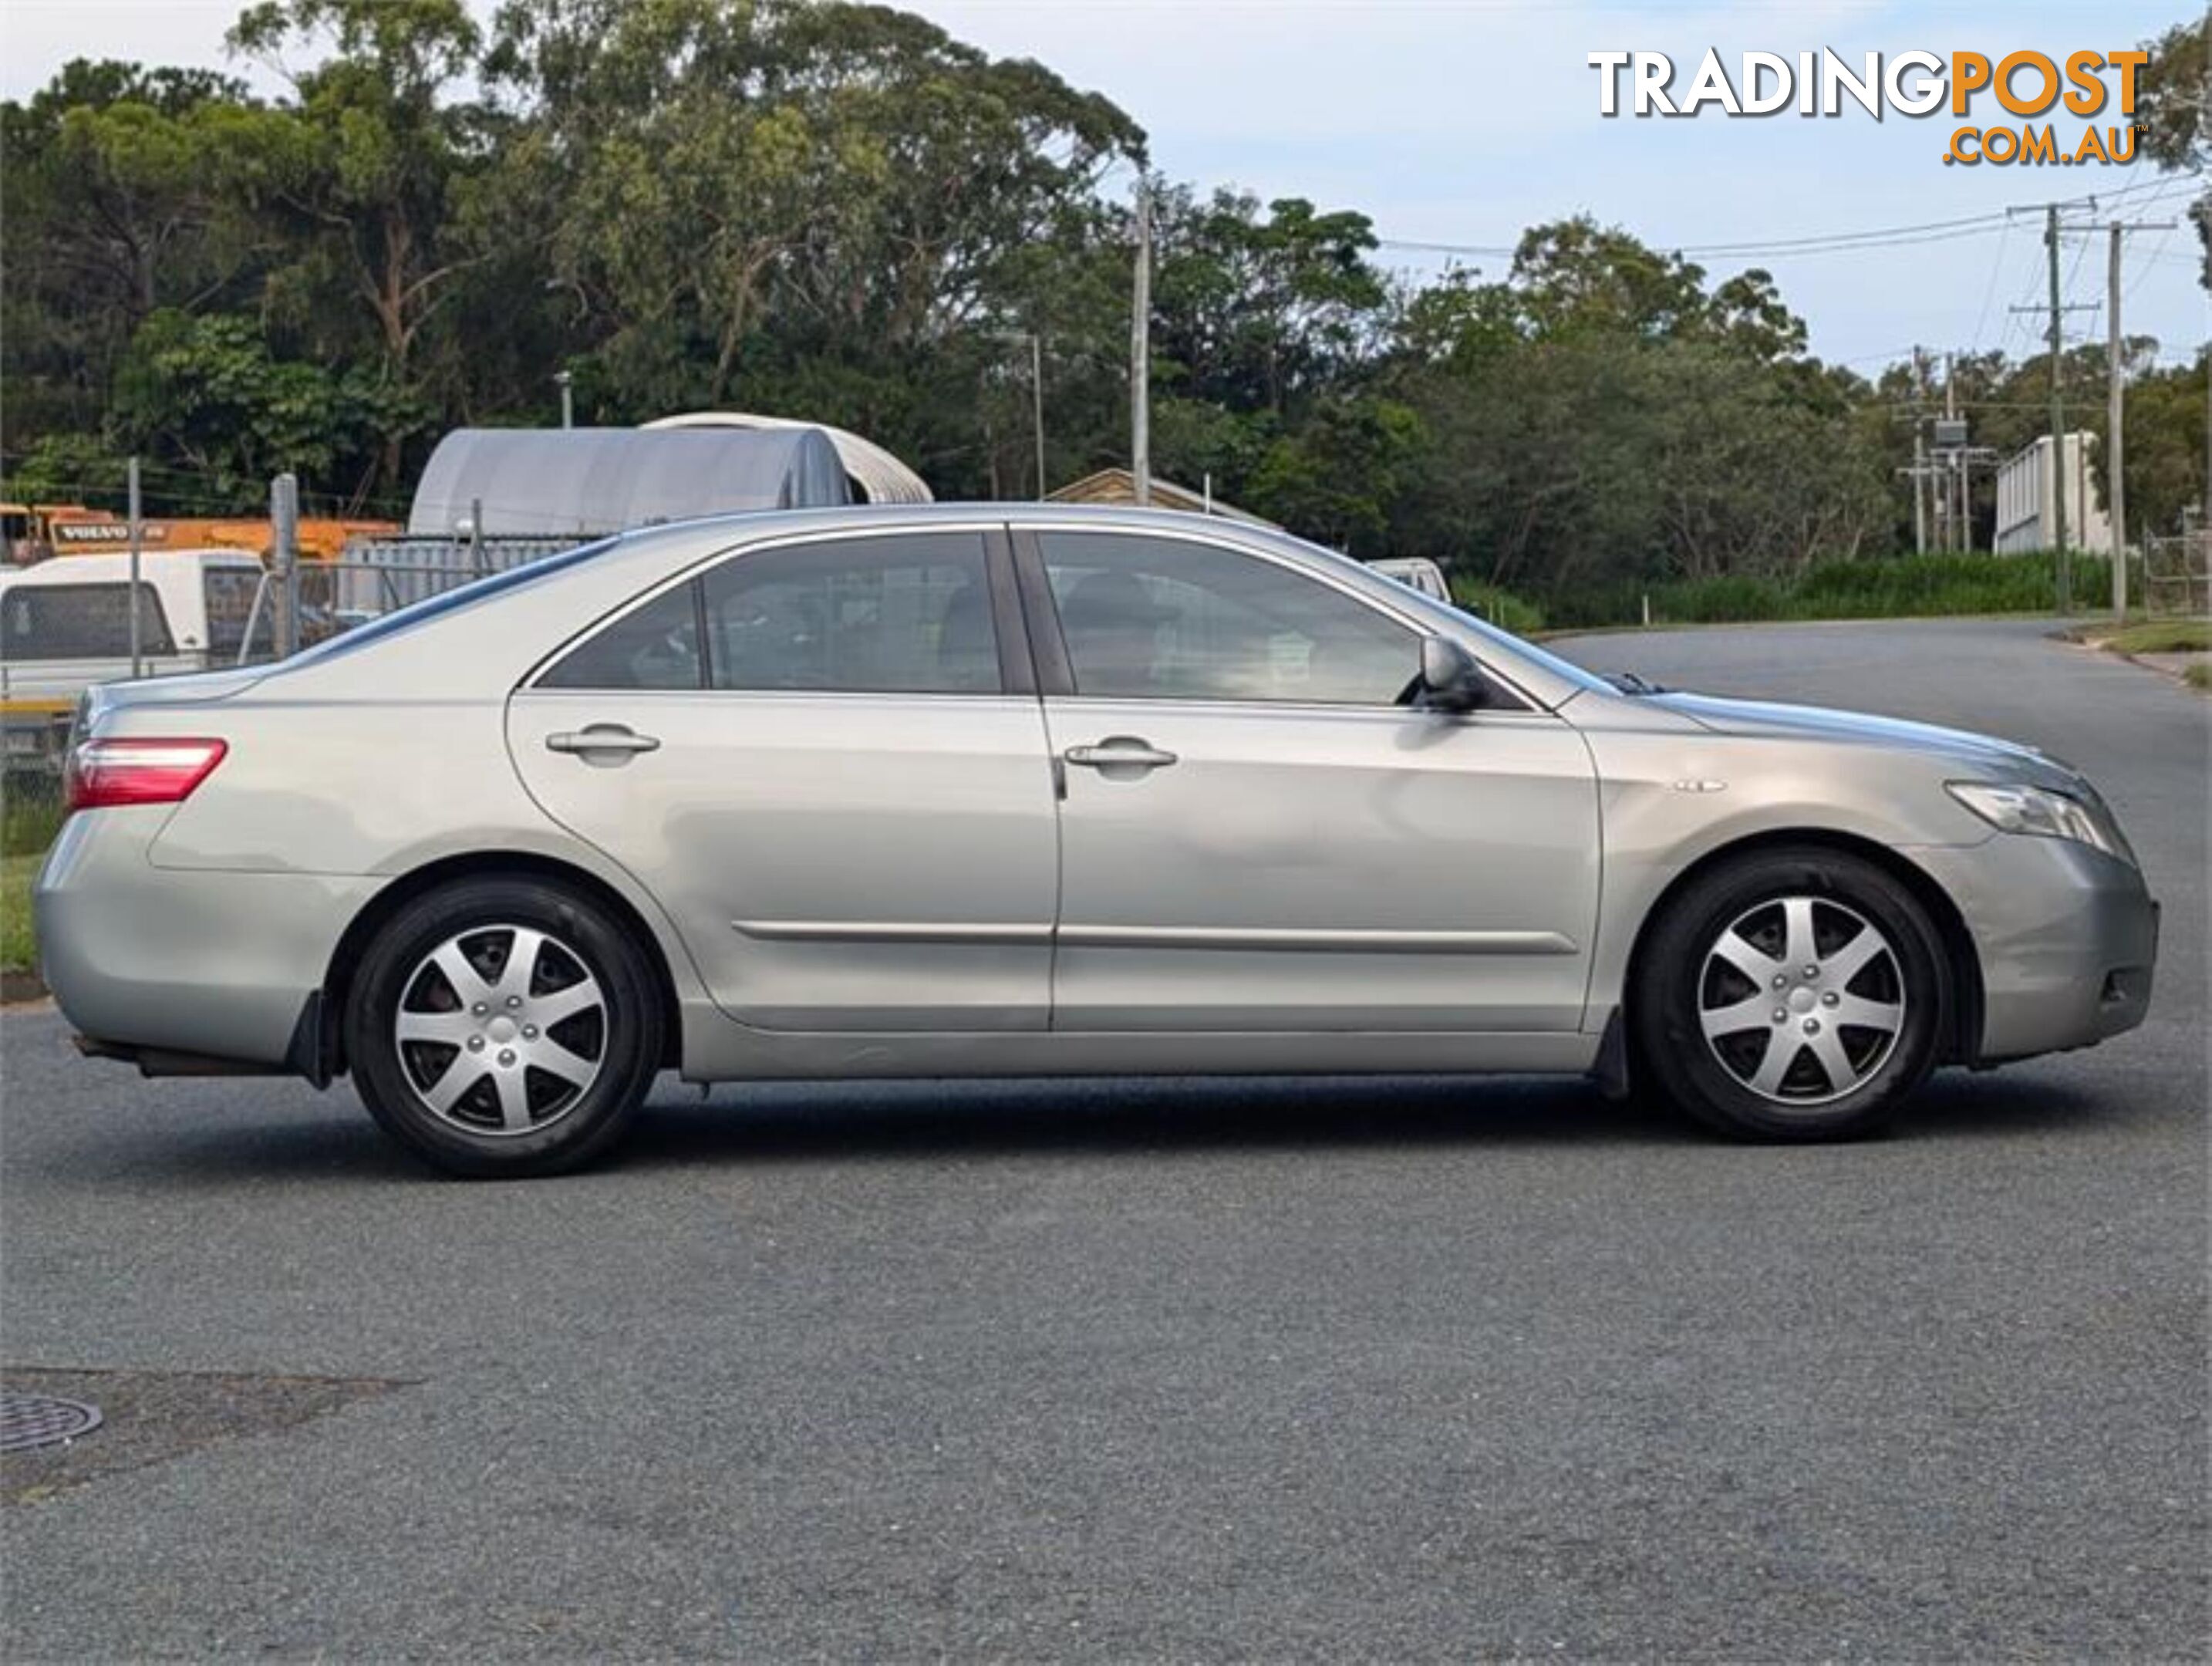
[[17, 951], [1867, 588], [2162, 637]]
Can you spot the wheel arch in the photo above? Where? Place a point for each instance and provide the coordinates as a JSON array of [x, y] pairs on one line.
[[338, 977], [1964, 962]]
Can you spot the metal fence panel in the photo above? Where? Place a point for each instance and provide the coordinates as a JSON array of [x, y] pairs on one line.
[[2177, 573], [379, 575]]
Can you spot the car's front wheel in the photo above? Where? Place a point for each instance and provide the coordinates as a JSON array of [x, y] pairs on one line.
[[1791, 994], [503, 1027]]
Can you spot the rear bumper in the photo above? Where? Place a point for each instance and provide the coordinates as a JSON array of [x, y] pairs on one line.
[[2066, 937], [168, 963]]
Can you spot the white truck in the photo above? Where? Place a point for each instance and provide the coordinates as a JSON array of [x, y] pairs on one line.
[[66, 625]]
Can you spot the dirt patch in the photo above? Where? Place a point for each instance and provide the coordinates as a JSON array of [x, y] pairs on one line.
[[148, 1417]]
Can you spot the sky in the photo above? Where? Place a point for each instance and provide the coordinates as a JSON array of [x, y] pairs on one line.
[[1462, 121]]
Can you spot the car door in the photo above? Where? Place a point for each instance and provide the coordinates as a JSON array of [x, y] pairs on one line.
[[1258, 830], [826, 758]]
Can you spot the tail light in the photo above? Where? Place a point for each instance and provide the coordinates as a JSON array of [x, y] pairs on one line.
[[159, 769]]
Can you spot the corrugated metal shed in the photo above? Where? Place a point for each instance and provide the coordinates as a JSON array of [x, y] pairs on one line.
[[536, 483], [1118, 486], [878, 477]]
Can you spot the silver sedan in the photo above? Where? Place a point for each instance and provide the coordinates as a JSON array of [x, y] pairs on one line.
[[976, 790]]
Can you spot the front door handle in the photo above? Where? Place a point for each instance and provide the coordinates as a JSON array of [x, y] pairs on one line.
[[1120, 752], [602, 743]]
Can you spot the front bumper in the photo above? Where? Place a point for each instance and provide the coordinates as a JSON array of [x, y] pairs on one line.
[[2066, 937], [188, 962]]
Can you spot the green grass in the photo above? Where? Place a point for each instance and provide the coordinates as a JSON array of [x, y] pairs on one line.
[[16, 949], [2163, 636], [1501, 607], [28, 824], [30, 816], [2199, 676]]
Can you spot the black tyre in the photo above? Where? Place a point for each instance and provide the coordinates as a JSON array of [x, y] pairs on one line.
[[1791, 995], [503, 1027]]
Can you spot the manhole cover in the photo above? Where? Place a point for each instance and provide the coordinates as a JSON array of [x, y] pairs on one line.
[[42, 1420]]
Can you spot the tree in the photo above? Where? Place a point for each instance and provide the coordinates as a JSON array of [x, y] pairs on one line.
[[1262, 312], [370, 165], [2173, 116], [726, 181], [115, 207], [205, 390]]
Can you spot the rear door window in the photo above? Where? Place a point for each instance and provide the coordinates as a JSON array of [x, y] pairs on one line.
[[900, 613], [906, 613], [80, 622]]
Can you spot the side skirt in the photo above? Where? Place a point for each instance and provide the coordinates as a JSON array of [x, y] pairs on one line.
[[716, 1048]]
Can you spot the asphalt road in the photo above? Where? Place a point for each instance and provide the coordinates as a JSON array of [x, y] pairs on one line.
[[1395, 1370]]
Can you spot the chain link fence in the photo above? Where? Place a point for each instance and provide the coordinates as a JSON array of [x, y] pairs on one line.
[[2177, 573]]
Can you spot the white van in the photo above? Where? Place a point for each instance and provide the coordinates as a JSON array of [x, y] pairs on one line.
[[66, 625], [1416, 573]]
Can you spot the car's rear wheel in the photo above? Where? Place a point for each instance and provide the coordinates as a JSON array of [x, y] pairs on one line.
[[1794, 994], [503, 1027]]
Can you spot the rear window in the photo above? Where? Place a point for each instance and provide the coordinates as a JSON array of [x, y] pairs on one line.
[[230, 592], [80, 622]]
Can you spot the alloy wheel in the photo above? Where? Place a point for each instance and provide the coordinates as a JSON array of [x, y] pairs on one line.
[[501, 1030], [1801, 1000]]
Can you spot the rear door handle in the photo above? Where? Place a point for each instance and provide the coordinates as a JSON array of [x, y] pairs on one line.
[[608, 743], [1120, 752]]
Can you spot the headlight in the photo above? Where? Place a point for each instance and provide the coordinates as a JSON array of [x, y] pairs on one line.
[[2047, 814]]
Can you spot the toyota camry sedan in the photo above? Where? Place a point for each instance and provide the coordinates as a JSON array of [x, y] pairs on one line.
[[969, 791]]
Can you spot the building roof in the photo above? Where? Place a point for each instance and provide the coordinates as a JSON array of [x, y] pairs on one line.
[[586, 480], [878, 475], [1119, 486]]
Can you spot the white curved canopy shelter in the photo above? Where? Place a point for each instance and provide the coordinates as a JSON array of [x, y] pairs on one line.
[[878, 475], [539, 483]]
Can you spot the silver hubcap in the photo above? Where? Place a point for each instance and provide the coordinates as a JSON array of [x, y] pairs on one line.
[[501, 1030], [1801, 1000]]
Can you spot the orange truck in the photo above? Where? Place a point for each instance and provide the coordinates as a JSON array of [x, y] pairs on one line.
[[27, 530], [318, 540]]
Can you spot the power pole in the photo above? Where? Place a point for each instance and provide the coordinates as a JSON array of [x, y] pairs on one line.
[[1954, 484], [1140, 354], [2056, 336], [1919, 489], [138, 535], [1919, 457], [2058, 416], [2115, 441], [1036, 403]]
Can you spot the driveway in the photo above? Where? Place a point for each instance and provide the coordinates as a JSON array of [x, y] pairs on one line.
[[1392, 1370]]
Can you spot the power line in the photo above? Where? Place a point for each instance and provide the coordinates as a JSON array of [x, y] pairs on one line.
[[1929, 231], [1989, 294]]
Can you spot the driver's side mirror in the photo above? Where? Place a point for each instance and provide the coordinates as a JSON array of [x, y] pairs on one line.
[[1451, 679]]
